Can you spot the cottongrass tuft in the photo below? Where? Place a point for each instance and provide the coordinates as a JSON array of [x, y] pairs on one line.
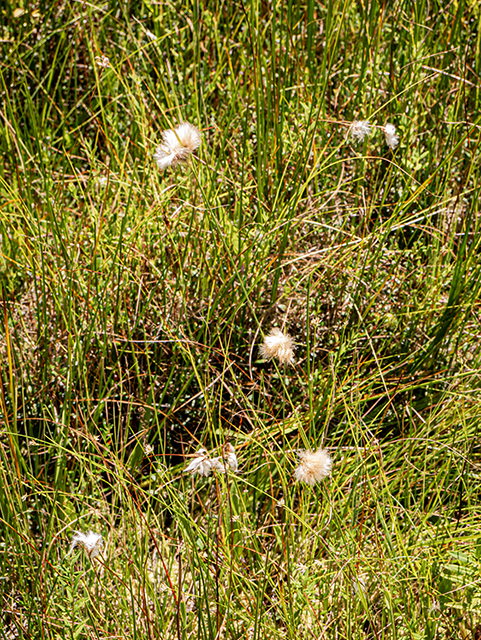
[[177, 145], [92, 543], [230, 456], [204, 465], [218, 465], [359, 129], [392, 139], [313, 467], [228, 460], [201, 464], [102, 61], [278, 345]]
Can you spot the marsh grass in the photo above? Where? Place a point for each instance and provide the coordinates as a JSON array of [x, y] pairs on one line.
[[135, 302]]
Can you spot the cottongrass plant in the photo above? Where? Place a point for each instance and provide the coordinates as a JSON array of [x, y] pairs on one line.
[[127, 365], [218, 464], [177, 145], [102, 61], [203, 464], [92, 543], [278, 345], [359, 129], [392, 139], [230, 457], [314, 466]]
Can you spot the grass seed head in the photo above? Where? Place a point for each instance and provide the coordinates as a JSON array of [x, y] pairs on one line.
[[90, 542], [230, 457], [218, 465], [177, 145], [359, 129], [201, 464], [278, 345], [102, 61], [313, 467], [392, 139]]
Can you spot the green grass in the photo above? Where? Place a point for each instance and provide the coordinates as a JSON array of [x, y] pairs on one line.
[[134, 303]]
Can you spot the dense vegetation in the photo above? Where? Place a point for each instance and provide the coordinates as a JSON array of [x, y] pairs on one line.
[[134, 302]]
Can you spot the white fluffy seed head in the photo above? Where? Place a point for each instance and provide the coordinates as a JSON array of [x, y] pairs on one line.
[[218, 465], [177, 145], [392, 139], [313, 467], [359, 129], [102, 61], [201, 464], [92, 543], [278, 345], [230, 457]]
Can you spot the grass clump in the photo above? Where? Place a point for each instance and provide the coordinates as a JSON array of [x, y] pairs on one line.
[[149, 316]]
